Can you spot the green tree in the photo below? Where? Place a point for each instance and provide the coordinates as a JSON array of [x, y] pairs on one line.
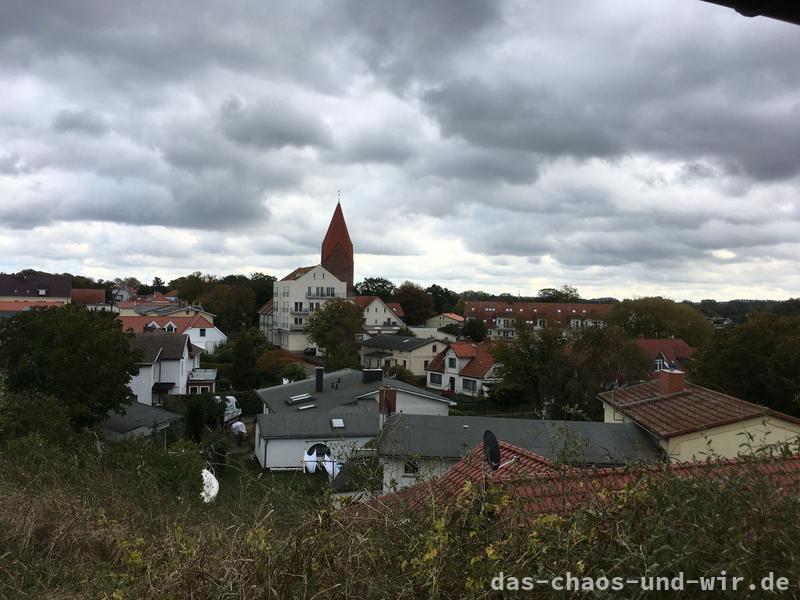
[[158, 285], [601, 357], [190, 287], [262, 285], [80, 357], [405, 332], [474, 329], [758, 360], [566, 293], [401, 374], [535, 370], [244, 374], [416, 302], [375, 286], [334, 328], [273, 364], [658, 317], [444, 300], [233, 305]]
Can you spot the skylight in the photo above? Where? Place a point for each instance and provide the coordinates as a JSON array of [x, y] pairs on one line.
[[337, 423]]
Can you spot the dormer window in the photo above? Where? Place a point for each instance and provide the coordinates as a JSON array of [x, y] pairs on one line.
[[42, 291]]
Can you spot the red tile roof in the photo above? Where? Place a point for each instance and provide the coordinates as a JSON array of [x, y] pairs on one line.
[[88, 296], [674, 350], [468, 473], [364, 301], [483, 362], [695, 409], [266, 309], [530, 311], [464, 349], [437, 363], [396, 309], [298, 273], [452, 316], [20, 305], [182, 324]]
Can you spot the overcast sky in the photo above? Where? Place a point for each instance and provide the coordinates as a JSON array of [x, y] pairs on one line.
[[628, 148]]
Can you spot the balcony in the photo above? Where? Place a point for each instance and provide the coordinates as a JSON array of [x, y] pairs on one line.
[[296, 327], [299, 311], [315, 295]]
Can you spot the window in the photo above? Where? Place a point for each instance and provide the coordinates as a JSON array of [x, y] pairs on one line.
[[425, 364], [202, 333], [170, 328], [433, 348], [404, 364], [436, 378], [410, 468], [468, 385], [337, 423], [451, 362], [42, 291]]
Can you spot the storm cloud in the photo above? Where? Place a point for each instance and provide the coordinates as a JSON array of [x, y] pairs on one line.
[[625, 148]]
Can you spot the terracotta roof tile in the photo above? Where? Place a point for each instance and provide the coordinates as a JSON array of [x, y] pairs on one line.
[[483, 362], [88, 296], [396, 309], [182, 324], [364, 301], [530, 311], [695, 409], [674, 350], [20, 305]]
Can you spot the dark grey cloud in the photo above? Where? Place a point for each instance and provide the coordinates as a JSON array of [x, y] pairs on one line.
[[272, 124], [83, 121]]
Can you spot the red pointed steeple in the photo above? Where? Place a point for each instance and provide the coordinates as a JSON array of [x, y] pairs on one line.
[[337, 249]]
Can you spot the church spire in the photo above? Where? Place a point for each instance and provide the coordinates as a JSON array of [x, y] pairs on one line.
[[337, 249]]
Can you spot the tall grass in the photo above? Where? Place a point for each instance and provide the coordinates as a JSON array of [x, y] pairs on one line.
[[129, 524]]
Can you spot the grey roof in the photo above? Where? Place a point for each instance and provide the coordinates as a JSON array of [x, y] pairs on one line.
[[159, 346], [388, 341], [350, 388], [316, 425], [138, 415], [582, 442], [362, 471], [27, 285]]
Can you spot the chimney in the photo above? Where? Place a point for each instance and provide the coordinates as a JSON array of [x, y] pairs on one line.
[[319, 372], [671, 382], [371, 375], [387, 401]]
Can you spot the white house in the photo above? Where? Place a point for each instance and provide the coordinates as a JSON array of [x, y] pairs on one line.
[[201, 331], [301, 414], [295, 297], [387, 350], [463, 368], [443, 319], [164, 367], [379, 316]]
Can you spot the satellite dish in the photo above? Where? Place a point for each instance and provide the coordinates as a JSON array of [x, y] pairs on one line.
[[491, 450]]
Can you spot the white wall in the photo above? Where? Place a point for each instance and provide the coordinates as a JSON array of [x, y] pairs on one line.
[[142, 385], [287, 294], [394, 477], [287, 454], [213, 338]]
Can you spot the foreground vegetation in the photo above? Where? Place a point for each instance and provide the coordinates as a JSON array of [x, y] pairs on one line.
[[129, 523]]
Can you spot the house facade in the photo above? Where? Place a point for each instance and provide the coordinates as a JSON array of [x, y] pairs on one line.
[[692, 423], [295, 298], [444, 319], [463, 368], [665, 354], [380, 317], [202, 333], [501, 318], [388, 350], [35, 286]]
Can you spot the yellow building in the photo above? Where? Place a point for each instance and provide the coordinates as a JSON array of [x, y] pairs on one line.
[[691, 422]]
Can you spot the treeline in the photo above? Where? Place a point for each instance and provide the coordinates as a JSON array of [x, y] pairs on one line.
[[737, 310]]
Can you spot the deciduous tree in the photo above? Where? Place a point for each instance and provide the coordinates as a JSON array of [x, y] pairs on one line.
[[658, 317], [375, 286], [334, 328], [416, 302], [474, 329], [233, 305], [80, 357]]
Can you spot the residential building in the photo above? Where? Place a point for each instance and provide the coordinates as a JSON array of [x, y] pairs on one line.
[[691, 422], [265, 318], [9, 308], [296, 296], [379, 316], [304, 412], [413, 447], [535, 486], [137, 420], [164, 367], [307, 289], [123, 293], [201, 331], [500, 318], [88, 296], [444, 319], [463, 368], [387, 350], [672, 353], [33, 285]]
